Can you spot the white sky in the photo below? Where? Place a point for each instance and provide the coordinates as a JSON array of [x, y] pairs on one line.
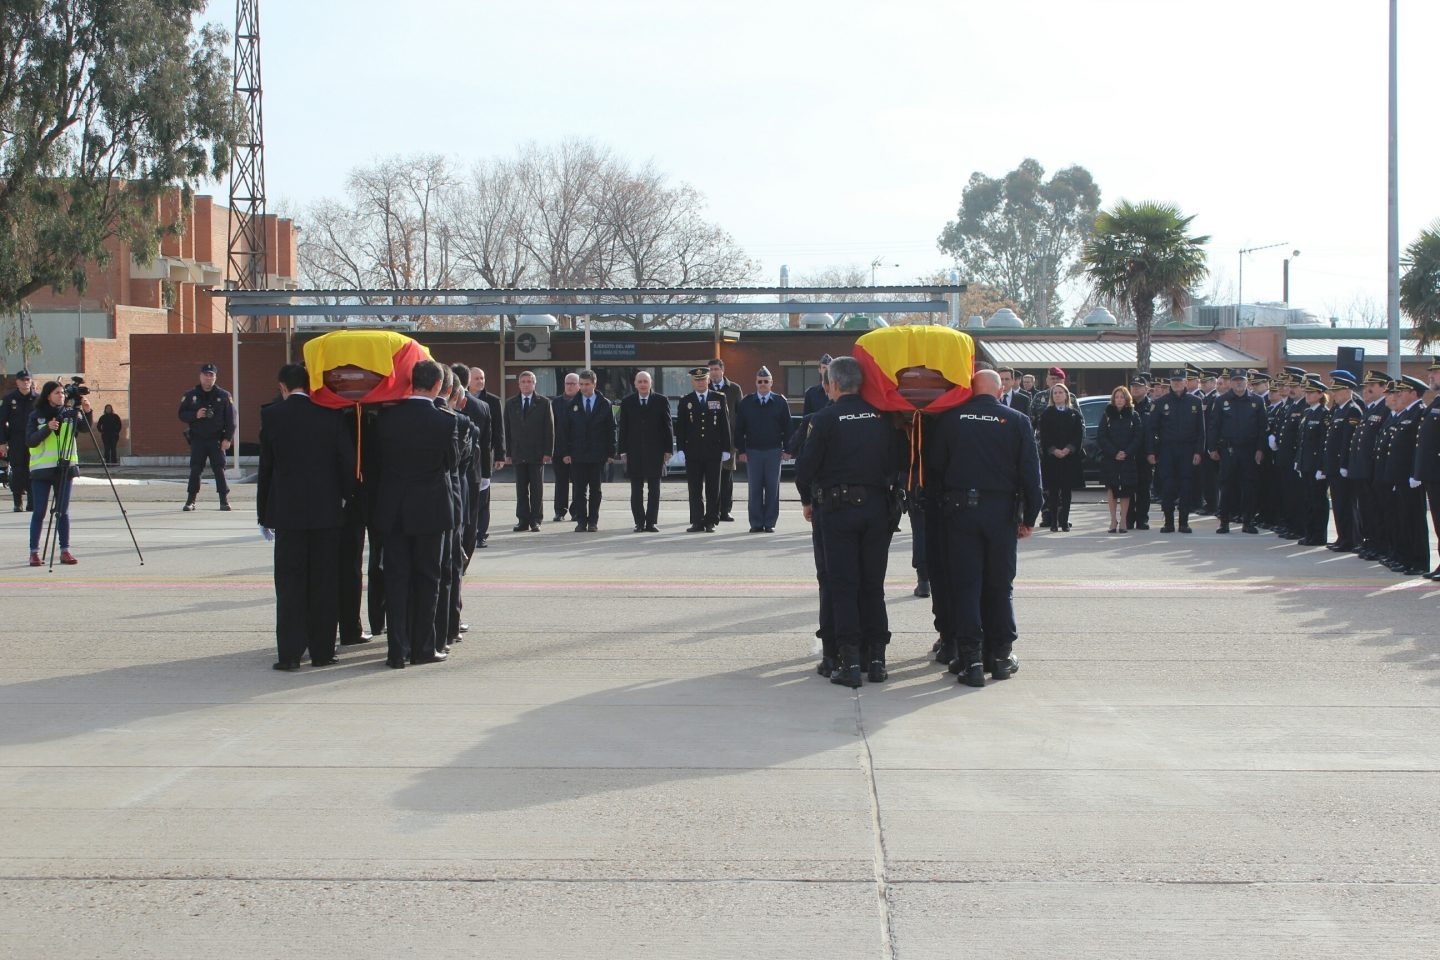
[[841, 132]]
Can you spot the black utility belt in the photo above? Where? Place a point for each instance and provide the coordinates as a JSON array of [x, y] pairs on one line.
[[854, 494], [968, 499]]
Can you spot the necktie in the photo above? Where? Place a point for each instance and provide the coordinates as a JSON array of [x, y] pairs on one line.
[[588, 406], [764, 400], [642, 401], [525, 405]]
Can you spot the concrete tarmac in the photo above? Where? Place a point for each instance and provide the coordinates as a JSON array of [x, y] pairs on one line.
[[1216, 747]]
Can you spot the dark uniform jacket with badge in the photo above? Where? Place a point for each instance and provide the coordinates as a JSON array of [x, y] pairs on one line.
[[1292, 412], [1399, 443], [307, 466], [218, 424], [987, 447], [702, 428], [15, 410], [645, 435], [1178, 423], [1345, 419], [1238, 423], [1427, 446], [849, 444], [1314, 427], [762, 426], [586, 437], [1363, 445]]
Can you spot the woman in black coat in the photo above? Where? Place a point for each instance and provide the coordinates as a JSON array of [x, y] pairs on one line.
[[1062, 467], [1121, 438], [110, 426]]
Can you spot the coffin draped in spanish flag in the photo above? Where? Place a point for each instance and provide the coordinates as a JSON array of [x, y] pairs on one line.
[[916, 368], [361, 366]]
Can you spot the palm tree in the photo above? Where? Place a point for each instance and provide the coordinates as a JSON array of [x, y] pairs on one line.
[[1420, 285], [1140, 252]]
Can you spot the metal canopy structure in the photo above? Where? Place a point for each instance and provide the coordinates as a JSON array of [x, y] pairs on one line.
[[593, 301]]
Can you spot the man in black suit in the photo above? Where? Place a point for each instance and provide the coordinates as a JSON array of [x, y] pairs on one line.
[[496, 453], [646, 442], [307, 470], [558, 464], [414, 514], [529, 442], [702, 433], [732, 393], [477, 500], [585, 431], [465, 482]]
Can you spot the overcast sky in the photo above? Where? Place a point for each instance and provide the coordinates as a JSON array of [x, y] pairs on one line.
[[842, 132]]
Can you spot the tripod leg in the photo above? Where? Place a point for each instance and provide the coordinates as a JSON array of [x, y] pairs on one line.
[[111, 480]]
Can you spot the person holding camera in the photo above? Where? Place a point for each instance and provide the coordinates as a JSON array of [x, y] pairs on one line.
[[209, 416], [59, 412]]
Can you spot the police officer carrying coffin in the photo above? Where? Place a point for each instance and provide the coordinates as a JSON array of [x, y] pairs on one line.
[[15, 409], [983, 456], [1177, 439], [209, 416], [1236, 437], [851, 456]]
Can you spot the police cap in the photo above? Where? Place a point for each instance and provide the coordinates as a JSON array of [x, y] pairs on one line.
[[764, 372], [1343, 380], [825, 359], [1177, 374], [1313, 384], [1377, 376], [1406, 383], [210, 368], [22, 374], [1140, 379], [1236, 373], [699, 373]]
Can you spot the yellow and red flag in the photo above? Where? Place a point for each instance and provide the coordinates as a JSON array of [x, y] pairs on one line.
[[384, 357], [884, 354]]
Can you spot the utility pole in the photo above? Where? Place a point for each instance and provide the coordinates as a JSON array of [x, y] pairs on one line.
[[1392, 300], [245, 259]]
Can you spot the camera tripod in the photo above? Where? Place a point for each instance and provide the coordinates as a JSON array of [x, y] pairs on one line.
[[61, 486]]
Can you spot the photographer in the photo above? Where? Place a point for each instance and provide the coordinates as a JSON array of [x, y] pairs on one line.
[[209, 416], [59, 412]]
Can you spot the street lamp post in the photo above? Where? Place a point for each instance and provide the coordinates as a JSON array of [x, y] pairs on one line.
[[1240, 283], [876, 264], [1285, 283]]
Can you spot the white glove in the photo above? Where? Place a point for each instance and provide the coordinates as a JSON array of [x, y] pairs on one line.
[[1415, 484], [1344, 471], [1273, 444], [724, 458], [1319, 474], [266, 533], [484, 484]]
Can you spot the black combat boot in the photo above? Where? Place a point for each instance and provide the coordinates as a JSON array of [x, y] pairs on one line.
[[1185, 523], [1224, 527], [189, 504], [878, 673], [847, 674], [826, 666], [944, 651], [922, 588], [225, 503], [974, 675], [1005, 669], [1169, 522]]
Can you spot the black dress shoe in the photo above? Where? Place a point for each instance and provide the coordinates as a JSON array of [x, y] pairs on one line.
[[1142, 525], [1065, 527], [878, 673], [944, 653], [709, 528], [974, 675], [324, 661], [581, 528], [1185, 528], [825, 667], [847, 676], [559, 517], [535, 528], [592, 527], [651, 528], [436, 657], [1411, 571], [1168, 528], [520, 528], [363, 638], [395, 664], [462, 627], [639, 528], [1223, 528], [922, 589], [289, 666], [1249, 528], [1005, 669], [1432, 575], [757, 529], [769, 529], [726, 518], [696, 528]]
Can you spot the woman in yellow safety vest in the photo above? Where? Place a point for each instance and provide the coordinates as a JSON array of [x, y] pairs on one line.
[[49, 446]]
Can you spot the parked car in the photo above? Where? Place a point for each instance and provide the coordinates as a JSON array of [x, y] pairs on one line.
[[1092, 408], [676, 466]]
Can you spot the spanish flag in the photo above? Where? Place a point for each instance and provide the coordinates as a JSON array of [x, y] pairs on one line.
[[883, 354], [389, 355]]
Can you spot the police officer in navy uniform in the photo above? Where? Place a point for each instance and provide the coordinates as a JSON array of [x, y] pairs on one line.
[[983, 458], [845, 473], [1346, 415], [209, 416], [815, 397], [1139, 517], [1411, 540], [1310, 462], [1427, 456], [1177, 440], [15, 409], [1236, 440], [1361, 469], [702, 433]]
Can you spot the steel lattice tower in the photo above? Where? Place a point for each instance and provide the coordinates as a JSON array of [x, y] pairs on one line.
[[247, 163]]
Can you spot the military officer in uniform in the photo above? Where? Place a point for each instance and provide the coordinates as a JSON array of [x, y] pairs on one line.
[[1310, 463], [762, 425], [851, 457], [1361, 469], [732, 393], [1346, 414], [702, 433], [1411, 540], [982, 457], [15, 409], [1211, 390], [1427, 456], [1139, 518], [209, 416], [1236, 439], [1177, 440]]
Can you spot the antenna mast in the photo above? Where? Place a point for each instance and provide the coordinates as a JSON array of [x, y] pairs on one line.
[[247, 163]]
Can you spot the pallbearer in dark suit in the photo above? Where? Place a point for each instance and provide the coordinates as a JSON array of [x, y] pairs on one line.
[[414, 514], [307, 470], [477, 498], [646, 441], [496, 452], [702, 433], [529, 442], [585, 434]]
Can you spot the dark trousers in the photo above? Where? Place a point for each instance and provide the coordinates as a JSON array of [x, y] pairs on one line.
[[1140, 502], [530, 493], [40, 490], [727, 490], [981, 550], [1432, 491], [826, 632], [1293, 503], [412, 587], [1209, 483], [937, 564], [645, 501], [1175, 470], [481, 510], [702, 477], [447, 617], [350, 573], [857, 548], [111, 444], [916, 511], [1239, 476], [201, 453], [1057, 495], [1316, 508], [375, 576], [1342, 504], [307, 578], [1412, 538], [585, 502], [1367, 517], [562, 488], [1383, 496], [20, 474]]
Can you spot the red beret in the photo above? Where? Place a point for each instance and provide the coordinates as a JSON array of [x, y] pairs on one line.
[[1057, 372]]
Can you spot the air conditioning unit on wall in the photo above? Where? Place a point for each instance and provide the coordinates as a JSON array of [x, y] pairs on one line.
[[532, 343]]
